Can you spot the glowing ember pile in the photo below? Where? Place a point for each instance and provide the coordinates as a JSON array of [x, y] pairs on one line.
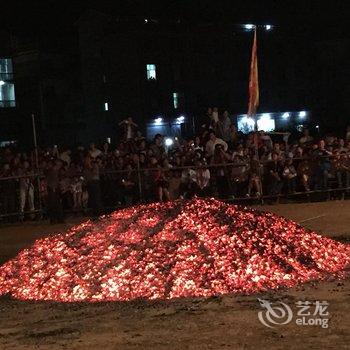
[[175, 249]]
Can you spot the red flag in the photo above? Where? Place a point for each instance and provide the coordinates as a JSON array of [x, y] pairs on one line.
[[253, 80]]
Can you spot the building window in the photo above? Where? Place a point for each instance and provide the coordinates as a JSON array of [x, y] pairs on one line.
[[7, 87], [177, 99], [151, 71], [106, 106], [6, 71]]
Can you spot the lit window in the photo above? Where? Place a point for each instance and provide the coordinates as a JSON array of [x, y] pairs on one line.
[[245, 124], [7, 143], [151, 71], [7, 94], [266, 123], [6, 71], [176, 99], [7, 87], [106, 106]]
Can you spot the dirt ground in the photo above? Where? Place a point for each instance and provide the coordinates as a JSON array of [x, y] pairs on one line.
[[227, 322]]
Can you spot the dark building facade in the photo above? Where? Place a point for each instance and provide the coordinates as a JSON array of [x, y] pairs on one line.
[[80, 83], [8, 108], [45, 82], [149, 69]]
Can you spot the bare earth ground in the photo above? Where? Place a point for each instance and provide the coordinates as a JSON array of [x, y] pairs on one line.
[[228, 322]]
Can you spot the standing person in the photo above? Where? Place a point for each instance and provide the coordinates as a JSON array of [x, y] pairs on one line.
[[342, 147], [290, 175], [233, 136], [105, 150], [306, 139], [54, 202], [209, 116], [323, 165], [128, 185], [92, 177], [347, 135], [224, 126], [161, 180], [341, 166], [129, 128], [65, 190], [201, 180], [77, 192], [65, 156], [220, 158], [26, 188], [157, 147], [197, 144], [212, 143], [94, 152], [304, 170], [255, 172], [275, 171], [129, 133], [215, 115]]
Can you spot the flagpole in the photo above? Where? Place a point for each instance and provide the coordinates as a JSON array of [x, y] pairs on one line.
[[35, 141], [254, 102]]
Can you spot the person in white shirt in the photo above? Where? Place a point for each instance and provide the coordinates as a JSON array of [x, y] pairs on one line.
[[341, 146], [347, 135], [65, 156], [94, 152], [26, 187], [224, 126], [202, 179], [215, 115], [129, 128], [306, 138], [211, 144], [197, 144]]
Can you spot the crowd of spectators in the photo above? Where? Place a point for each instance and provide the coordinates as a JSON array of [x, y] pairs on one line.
[[218, 161]]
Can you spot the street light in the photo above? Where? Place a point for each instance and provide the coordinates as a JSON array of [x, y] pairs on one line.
[[2, 82], [180, 119], [158, 121], [302, 114], [169, 142], [249, 26]]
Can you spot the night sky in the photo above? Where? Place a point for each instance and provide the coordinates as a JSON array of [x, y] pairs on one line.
[[308, 17]]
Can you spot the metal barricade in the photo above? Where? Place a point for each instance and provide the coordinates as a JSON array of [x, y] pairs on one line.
[[229, 181], [20, 196]]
